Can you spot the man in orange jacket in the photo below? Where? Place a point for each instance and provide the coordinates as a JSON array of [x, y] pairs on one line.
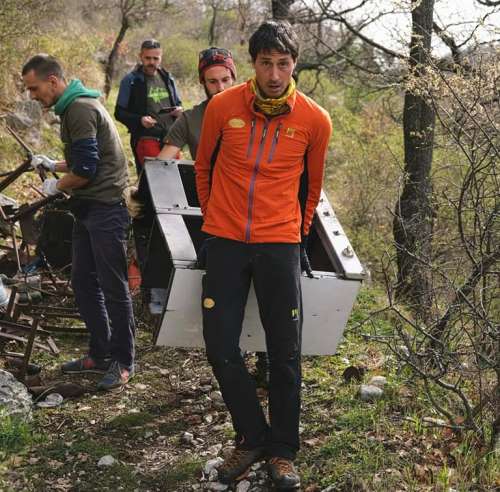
[[260, 140]]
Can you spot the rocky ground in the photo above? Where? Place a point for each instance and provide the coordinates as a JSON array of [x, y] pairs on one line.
[[169, 430]]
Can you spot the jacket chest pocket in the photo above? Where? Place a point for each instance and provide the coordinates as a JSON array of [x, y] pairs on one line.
[[239, 138], [288, 147]]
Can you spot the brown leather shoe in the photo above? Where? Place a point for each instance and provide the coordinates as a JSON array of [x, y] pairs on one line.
[[237, 466], [283, 473]]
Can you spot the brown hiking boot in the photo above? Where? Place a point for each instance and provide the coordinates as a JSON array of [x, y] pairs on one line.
[[238, 464], [283, 473]]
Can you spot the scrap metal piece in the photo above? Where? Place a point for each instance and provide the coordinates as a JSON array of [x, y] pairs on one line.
[[17, 338], [29, 349], [32, 208], [22, 168]]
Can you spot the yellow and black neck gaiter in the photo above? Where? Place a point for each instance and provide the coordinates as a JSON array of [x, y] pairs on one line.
[[272, 106]]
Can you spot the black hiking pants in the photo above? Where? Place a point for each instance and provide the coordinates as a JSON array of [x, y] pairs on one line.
[[274, 269]]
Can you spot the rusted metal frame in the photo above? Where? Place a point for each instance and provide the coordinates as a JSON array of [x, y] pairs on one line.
[[11, 325], [29, 349], [17, 338], [18, 171], [40, 170], [12, 229], [8, 353], [12, 300], [49, 314], [73, 330], [16, 313], [55, 309], [14, 245], [33, 207], [53, 312], [20, 141]]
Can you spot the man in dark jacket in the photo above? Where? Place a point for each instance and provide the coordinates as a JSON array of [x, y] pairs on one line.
[[148, 103]]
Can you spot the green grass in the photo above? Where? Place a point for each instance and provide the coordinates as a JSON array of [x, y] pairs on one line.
[[124, 422], [15, 435], [75, 458], [172, 427], [119, 476], [347, 454], [178, 473]]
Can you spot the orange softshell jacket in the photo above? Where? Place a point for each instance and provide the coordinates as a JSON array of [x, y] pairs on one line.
[[250, 192]]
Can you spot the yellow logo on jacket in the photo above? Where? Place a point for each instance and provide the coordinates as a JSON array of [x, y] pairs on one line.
[[236, 123], [290, 132]]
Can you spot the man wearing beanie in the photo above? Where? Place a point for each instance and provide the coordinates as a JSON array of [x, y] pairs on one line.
[[216, 72], [259, 172], [148, 103]]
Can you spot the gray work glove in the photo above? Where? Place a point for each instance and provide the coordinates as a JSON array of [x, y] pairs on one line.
[[45, 162], [49, 187]]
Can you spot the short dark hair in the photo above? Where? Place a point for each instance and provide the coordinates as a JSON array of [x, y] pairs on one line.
[[274, 35], [150, 44], [43, 65]]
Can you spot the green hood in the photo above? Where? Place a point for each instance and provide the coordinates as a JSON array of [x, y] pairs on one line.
[[75, 89]]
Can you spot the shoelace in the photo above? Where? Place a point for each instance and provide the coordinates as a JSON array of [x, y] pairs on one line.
[[284, 466]]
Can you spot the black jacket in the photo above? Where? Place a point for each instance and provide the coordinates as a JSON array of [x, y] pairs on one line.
[[132, 99]]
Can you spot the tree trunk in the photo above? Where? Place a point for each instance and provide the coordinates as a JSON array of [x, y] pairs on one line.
[[243, 12], [413, 222], [212, 34], [281, 8], [109, 71]]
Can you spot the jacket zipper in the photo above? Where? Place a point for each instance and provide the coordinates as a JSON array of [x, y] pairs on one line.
[[275, 142], [253, 179], [252, 136]]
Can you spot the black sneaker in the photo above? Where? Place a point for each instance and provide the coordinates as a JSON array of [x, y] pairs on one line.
[[283, 473], [86, 365], [237, 466]]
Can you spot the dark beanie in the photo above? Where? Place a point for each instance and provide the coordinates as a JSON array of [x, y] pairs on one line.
[[215, 56]]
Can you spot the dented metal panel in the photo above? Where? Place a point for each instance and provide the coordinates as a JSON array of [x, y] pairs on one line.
[[327, 300], [177, 238]]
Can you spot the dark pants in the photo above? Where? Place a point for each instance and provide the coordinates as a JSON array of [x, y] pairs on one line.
[[100, 281], [275, 272]]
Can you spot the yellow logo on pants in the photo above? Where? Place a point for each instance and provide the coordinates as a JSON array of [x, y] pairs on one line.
[[208, 303]]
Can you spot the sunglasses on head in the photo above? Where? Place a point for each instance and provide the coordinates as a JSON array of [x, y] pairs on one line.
[[150, 44], [215, 54]]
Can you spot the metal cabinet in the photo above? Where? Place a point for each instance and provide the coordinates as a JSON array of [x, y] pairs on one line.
[[175, 237]]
